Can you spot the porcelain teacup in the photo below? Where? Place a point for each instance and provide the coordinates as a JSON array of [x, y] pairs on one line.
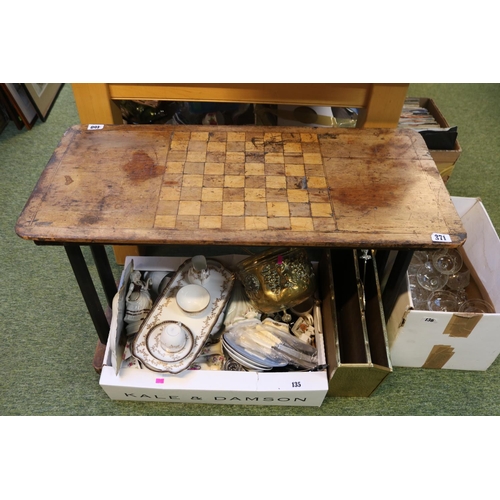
[[156, 278], [172, 338]]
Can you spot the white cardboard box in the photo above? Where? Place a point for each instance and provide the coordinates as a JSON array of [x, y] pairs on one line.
[[206, 386], [454, 340]]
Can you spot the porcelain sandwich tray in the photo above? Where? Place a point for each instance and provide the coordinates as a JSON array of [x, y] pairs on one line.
[[199, 325]]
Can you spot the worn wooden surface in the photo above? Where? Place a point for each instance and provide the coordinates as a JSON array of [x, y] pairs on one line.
[[148, 184]]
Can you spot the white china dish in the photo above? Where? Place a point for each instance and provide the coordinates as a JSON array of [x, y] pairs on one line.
[[193, 298]]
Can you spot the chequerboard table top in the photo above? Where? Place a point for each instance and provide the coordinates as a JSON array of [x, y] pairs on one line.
[[245, 185]]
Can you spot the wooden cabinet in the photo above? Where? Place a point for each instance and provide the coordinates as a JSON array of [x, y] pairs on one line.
[[380, 104]]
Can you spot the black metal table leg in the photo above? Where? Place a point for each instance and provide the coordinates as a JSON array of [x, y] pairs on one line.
[[88, 290], [395, 280], [105, 273], [382, 257]]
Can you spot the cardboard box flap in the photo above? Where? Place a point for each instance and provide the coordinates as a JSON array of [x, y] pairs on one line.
[[117, 338], [481, 239], [464, 204]]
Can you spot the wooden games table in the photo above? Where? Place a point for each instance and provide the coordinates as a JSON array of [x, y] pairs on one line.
[[245, 186], [379, 104]]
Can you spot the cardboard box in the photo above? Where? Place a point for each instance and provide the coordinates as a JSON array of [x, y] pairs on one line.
[[444, 159], [357, 346], [296, 388], [449, 340]]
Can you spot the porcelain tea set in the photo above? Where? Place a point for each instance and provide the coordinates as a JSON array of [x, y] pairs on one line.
[[206, 316]]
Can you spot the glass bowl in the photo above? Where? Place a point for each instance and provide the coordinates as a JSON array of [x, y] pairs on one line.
[[442, 300], [476, 306], [431, 279], [448, 261]]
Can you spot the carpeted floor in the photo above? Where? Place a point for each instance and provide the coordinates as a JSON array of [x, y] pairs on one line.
[[47, 339]]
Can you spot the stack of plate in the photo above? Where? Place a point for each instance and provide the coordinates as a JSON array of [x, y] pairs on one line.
[[248, 360]]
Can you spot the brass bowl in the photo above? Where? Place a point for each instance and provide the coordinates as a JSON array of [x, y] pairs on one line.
[[277, 279]]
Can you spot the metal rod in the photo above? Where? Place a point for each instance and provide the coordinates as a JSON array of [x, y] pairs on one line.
[[88, 290], [105, 273], [395, 280]]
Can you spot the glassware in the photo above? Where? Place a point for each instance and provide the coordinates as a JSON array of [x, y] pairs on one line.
[[431, 279], [447, 261], [419, 258], [476, 306], [419, 295], [422, 255], [458, 282], [442, 300]]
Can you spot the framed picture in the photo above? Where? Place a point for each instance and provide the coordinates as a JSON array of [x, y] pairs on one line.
[[12, 113], [42, 96], [17, 96], [4, 118]]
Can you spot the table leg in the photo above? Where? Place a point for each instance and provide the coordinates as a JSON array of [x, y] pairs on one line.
[[88, 290], [105, 273], [394, 281]]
